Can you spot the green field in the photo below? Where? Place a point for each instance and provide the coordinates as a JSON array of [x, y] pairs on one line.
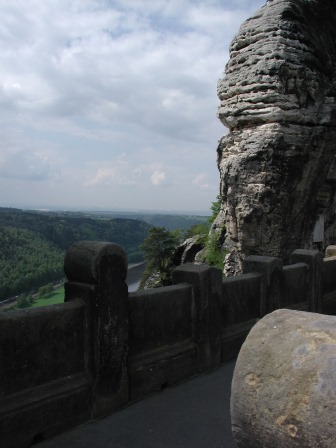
[[53, 298]]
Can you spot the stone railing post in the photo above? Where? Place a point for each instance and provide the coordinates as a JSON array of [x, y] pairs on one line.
[[314, 260], [207, 289], [269, 268], [96, 271], [283, 387]]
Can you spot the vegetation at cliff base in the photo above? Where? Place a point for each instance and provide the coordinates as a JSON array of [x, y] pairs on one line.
[[163, 249], [159, 248], [200, 231], [214, 254], [215, 209]]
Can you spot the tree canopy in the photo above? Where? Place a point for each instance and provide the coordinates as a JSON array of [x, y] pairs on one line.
[[158, 249]]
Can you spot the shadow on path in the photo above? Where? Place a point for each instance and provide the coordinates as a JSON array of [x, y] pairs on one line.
[[194, 414]]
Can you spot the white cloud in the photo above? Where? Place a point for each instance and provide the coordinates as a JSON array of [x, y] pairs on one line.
[[103, 176], [158, 178]]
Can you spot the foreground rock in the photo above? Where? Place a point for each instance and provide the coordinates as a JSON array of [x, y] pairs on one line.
[[277, 167], [283, 388]]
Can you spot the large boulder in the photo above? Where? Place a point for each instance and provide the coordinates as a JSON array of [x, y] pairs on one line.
[[284, 383]]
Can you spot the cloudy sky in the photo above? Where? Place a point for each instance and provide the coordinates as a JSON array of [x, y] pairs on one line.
[[112, 103]]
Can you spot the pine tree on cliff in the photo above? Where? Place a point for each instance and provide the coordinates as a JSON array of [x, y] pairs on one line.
[[158, 249]]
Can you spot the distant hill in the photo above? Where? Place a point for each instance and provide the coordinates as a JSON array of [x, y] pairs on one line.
[[169, 221], [33, 244]]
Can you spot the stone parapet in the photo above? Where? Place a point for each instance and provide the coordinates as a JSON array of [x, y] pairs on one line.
[[207, 290], [103, 348]]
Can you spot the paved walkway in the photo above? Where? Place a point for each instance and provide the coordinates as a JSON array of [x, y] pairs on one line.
[[194, 414]]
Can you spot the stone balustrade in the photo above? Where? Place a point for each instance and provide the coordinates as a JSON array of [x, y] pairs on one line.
[[104, 347]]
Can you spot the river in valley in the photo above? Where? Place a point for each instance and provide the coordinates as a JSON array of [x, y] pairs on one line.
[[134, 273]]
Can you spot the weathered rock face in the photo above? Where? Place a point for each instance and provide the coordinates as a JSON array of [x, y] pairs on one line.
[[188, 250], [278, 98]]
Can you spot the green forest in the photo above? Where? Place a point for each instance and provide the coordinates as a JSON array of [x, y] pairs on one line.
[[168, 221], [33, 244]]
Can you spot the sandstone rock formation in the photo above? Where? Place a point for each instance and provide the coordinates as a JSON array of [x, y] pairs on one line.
[[277, 167], [187, 251]]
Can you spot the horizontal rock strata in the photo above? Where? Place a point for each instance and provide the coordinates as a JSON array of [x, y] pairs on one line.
[[277, 167]]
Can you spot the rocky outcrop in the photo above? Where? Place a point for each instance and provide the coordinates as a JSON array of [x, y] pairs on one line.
[[277, 167], [187, 251]]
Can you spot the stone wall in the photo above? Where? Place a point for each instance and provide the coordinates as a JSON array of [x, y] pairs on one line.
[[104, 347], [162, 350], [277, 163], [44, 372]]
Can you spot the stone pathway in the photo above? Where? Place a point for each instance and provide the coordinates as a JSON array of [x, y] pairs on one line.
[[194, 414]]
